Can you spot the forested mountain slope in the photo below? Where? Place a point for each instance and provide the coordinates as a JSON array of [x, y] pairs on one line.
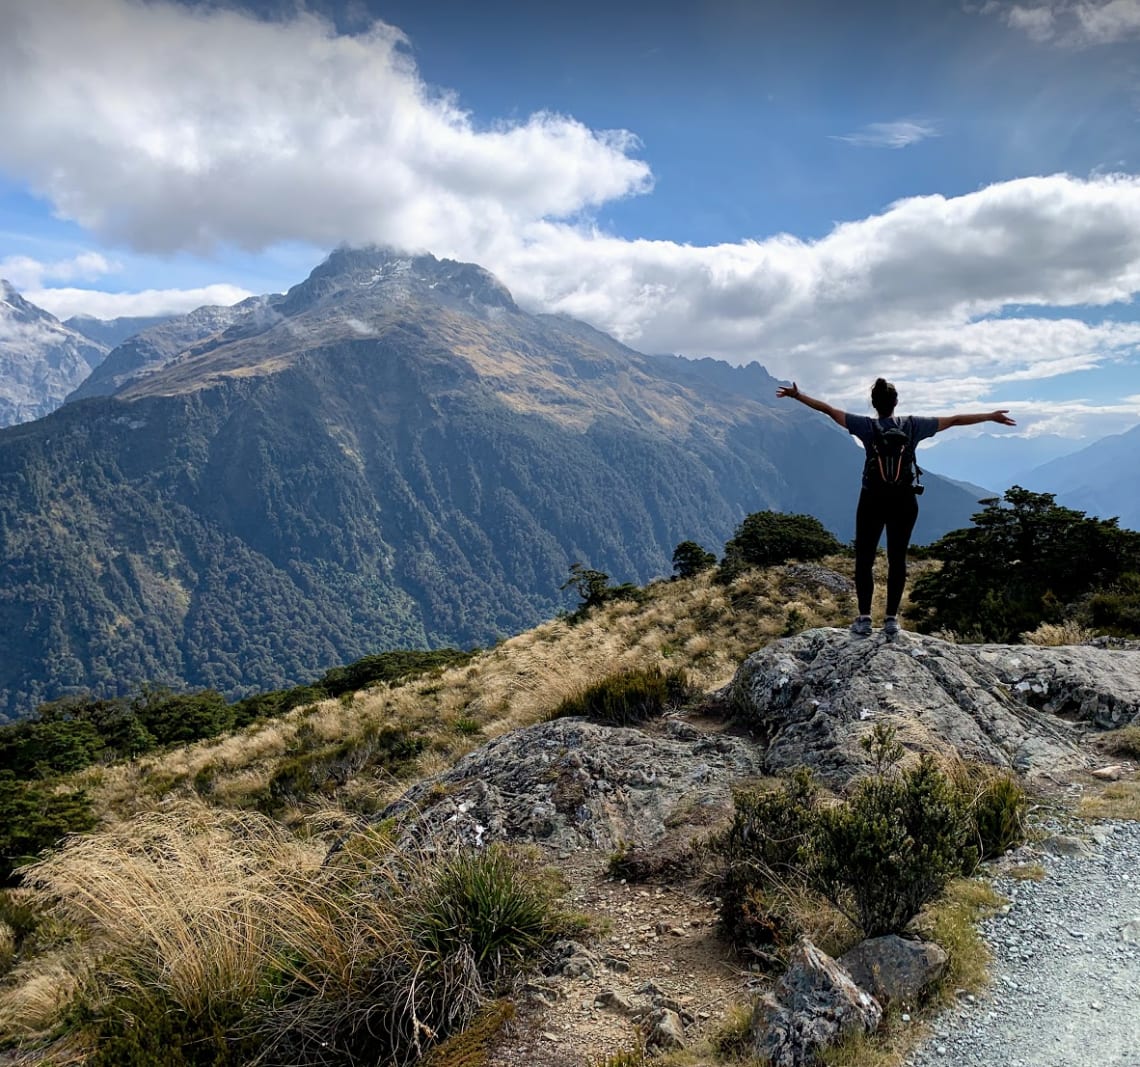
[[392, 454]]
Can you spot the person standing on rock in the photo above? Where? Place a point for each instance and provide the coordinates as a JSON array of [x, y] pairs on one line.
[[889, 497]]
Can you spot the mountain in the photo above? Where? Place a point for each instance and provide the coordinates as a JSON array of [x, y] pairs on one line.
[[41, 359], [392, 454], [154, 347], [1102, 479], [996, 460], [112, 332]]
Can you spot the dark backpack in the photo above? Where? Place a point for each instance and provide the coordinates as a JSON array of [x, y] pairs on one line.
[[891, 462]]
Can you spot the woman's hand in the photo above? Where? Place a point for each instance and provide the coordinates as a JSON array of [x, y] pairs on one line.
[[1002, 416], [793, 391]]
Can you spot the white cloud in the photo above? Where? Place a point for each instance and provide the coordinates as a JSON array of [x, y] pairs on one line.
[[1073, 23], [27, 273], [166, 128], [63, 303], [890, 134], [171, 128]]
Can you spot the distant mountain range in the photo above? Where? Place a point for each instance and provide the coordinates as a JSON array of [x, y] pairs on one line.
[[392, 454], [112, 332], [1102, 479], [41, 359]]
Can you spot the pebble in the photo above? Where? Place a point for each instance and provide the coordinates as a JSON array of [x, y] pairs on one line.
[[1061, 954]]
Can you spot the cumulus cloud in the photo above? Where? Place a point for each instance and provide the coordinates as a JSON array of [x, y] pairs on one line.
[[890, 134], [63, 303], [24, 272], [1074, 23], [171, 128]]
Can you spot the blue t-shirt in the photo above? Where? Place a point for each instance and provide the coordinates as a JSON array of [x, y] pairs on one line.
[[920, 427]]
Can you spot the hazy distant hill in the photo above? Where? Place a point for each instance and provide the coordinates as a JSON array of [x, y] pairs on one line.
[[391, 454], [41, 359], [111, 332], [1102, 479], [996, 460]]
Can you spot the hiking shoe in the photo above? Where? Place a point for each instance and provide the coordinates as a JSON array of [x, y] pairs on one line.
[[861, 627], [890, 626]]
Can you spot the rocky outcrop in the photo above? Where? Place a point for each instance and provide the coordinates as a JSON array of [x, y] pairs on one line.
[[572, 783], [810, 698], [814, 1005]]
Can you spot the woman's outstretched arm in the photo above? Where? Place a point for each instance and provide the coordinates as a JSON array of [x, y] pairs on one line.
[[1002, 416], [794, 392]]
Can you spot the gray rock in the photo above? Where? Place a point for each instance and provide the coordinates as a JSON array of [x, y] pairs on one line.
[[664, 1030], [571, 783], [895, 970], [1064, 845], [810, 698], [814, 1005]]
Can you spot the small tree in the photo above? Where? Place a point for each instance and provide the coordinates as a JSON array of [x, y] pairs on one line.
[[768, 537], [590, 585], [690, 559], [1022, 563]]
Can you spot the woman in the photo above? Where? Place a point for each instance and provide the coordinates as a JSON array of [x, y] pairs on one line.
[[883, 505]]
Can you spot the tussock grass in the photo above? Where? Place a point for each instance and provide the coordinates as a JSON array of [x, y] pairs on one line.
[[1123, 742], [214, 930], [1118, 800], [691, 624], [1061, 633], [952, 921], [1026, 872]]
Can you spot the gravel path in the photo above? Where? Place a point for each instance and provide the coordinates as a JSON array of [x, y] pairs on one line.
[[1066, 969]]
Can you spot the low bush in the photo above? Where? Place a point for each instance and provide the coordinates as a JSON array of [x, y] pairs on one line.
[[894, 845], [766, 850], [327, 769], [878, 856], [629, 697], [768, 537], [34, 816]]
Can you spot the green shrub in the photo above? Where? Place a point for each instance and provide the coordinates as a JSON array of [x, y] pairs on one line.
[[765, 850], [769, 537], [1013, 570], [325, 770], [34, 816], [892, 847], [629, 697], [1116, 610], [136, 1031], [878, 856], [690, 559]]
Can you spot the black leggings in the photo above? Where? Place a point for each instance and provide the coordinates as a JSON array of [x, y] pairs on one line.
[[897, 512]]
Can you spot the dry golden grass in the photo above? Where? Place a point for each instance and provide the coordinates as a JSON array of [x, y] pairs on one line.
[[36, 994], [1122, 742], [1053, 634], [7, 947], [694, 624], [1118, 800], [1026, 872]]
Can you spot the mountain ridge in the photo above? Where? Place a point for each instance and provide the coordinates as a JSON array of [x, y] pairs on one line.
[[403, 460], [41, 359]]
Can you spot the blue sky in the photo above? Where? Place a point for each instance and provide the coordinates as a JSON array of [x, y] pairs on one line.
[[945, 193]]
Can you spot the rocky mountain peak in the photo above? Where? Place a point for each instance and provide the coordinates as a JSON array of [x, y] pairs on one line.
[[386, 275]]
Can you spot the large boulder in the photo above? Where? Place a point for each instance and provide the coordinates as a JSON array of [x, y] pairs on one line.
[[814, 1005], [810, 698], [895, 970], [571, 783]]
